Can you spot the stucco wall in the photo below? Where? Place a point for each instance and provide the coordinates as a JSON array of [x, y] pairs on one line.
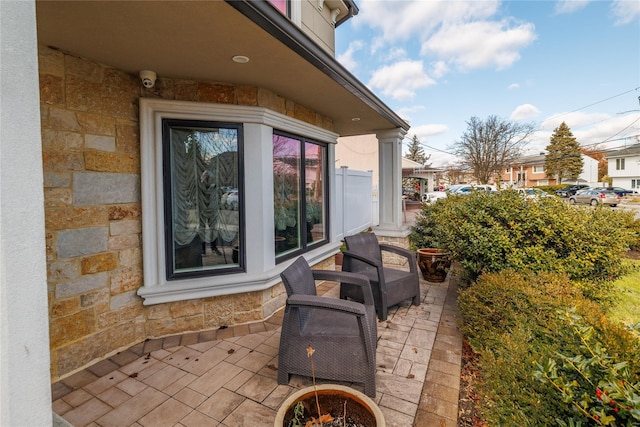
[[25, 392], [91, 164]]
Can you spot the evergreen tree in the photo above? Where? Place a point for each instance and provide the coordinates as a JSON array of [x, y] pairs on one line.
[[563, 158], [416, 153]]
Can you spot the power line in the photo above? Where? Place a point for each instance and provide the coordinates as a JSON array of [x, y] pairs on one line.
[[427, 146], [590, 105]]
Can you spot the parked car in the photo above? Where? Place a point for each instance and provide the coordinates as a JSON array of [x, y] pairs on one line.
[[457, 189], [433, 197], [229, 200], [618, 190], [466, 189], [595, 197], [570, 190], [532, 193]]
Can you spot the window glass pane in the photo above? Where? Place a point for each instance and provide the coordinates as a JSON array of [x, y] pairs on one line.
[[203, 198], [286, 193], [281, 5], [315, 200]]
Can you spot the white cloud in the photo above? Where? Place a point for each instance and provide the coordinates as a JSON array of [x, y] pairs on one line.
[[402, 20], [574, 120], [401, 80], [408, 112], [513, 86], [589, 129], [570, 6], [524, 111], [612, 131], [347, 58], [625, 11], [439, 69], [480, 44], [397, 53], [425, 131]]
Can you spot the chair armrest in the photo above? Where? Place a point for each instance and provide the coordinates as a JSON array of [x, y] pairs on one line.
[[405, 253], [347, 277], [335, 304], [372, 262]]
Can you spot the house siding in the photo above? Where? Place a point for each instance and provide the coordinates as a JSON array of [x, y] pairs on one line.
[[526, 166], [623, 177], [91, 165]]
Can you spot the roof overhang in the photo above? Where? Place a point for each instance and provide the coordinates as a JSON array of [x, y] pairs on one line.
[[196, 40]]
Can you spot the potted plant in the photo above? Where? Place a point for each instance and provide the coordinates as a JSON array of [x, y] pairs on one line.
[[319, 404], [331, 399], [434, 264], [340, 256], [434, 261]]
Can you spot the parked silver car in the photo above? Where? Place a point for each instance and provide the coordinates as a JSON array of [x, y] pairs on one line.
[[532, 193], [595, 197]]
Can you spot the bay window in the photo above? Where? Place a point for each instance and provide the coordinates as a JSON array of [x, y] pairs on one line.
[[217, 217]]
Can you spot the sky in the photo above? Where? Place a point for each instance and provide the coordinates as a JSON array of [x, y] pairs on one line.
[[438, 63]]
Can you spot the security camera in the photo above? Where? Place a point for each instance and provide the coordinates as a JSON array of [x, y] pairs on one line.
[[148, 78]]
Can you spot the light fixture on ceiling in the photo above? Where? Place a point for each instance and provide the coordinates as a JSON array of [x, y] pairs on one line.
[[355, 119], [240, 59]]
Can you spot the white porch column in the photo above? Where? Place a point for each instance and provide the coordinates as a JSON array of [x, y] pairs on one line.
[[390, 178], [25, 383]]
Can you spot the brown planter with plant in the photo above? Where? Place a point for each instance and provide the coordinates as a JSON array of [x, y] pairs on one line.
[[434, 264], [335, 403]]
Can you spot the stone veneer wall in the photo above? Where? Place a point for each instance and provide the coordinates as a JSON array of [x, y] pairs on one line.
[[91, 161], [391, 258]]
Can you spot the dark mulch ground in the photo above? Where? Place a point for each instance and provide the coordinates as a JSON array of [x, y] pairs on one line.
[[633, 254], [468, 415]]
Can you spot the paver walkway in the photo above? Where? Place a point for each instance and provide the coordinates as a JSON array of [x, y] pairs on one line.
[[228, 377]]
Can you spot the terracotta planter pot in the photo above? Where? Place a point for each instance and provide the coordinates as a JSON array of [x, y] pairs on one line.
[[434, 264], [357, 403]]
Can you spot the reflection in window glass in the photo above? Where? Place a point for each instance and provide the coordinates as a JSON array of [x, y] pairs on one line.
[[299, 222], [281, 5], [314, 187], [203, 198], [286, 193]]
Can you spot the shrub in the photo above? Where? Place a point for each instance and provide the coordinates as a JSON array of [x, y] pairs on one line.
[[493, 232], [599, 387], [510, 319], [633, 225]]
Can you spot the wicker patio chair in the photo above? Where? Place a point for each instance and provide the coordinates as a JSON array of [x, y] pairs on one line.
[[390, 286], [342, 333]]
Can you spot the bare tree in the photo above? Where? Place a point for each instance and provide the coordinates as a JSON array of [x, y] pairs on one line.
[[489, 146], [454, 173]]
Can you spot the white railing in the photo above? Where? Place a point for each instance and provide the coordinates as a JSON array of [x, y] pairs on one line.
[[356, 202]]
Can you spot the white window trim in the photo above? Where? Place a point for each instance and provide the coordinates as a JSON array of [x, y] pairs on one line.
[[261, 270], [296, 12]]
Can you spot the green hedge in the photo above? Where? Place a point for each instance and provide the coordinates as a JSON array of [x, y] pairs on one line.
[[493, 232], [511, 319]]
